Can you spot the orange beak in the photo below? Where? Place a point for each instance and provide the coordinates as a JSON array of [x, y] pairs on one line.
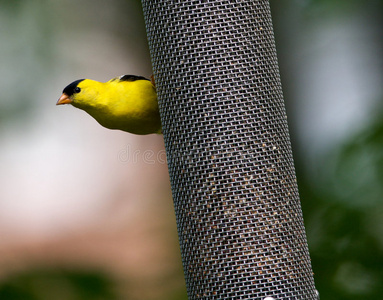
[[64, 99]]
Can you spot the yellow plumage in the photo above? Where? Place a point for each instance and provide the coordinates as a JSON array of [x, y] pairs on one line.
[[128, 103]]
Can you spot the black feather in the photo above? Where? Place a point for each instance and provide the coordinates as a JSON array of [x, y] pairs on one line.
[[132, 78], [70, 88]]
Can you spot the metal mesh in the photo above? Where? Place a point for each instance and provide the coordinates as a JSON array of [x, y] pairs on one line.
[[233, 180]]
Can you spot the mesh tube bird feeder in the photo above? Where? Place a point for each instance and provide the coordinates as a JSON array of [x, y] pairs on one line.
[[233, 180]]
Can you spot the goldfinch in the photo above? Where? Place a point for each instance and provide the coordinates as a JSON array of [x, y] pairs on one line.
[[127, 103]]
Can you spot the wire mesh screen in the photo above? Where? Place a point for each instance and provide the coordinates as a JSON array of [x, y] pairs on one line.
[[233, 180]]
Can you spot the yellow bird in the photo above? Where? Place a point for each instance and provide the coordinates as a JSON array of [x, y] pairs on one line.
[[127, 103]]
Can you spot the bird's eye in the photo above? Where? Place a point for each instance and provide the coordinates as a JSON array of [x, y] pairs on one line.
[[77, 89]]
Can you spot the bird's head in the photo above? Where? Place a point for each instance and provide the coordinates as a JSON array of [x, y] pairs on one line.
[[79, 93]]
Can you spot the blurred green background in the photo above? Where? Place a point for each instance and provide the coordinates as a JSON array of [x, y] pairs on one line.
[[82, 216]]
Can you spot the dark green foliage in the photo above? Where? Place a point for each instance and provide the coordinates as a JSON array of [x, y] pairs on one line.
[[57, 284], [344, 212]]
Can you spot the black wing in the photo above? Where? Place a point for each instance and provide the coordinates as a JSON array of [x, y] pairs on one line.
[[131, 78]]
